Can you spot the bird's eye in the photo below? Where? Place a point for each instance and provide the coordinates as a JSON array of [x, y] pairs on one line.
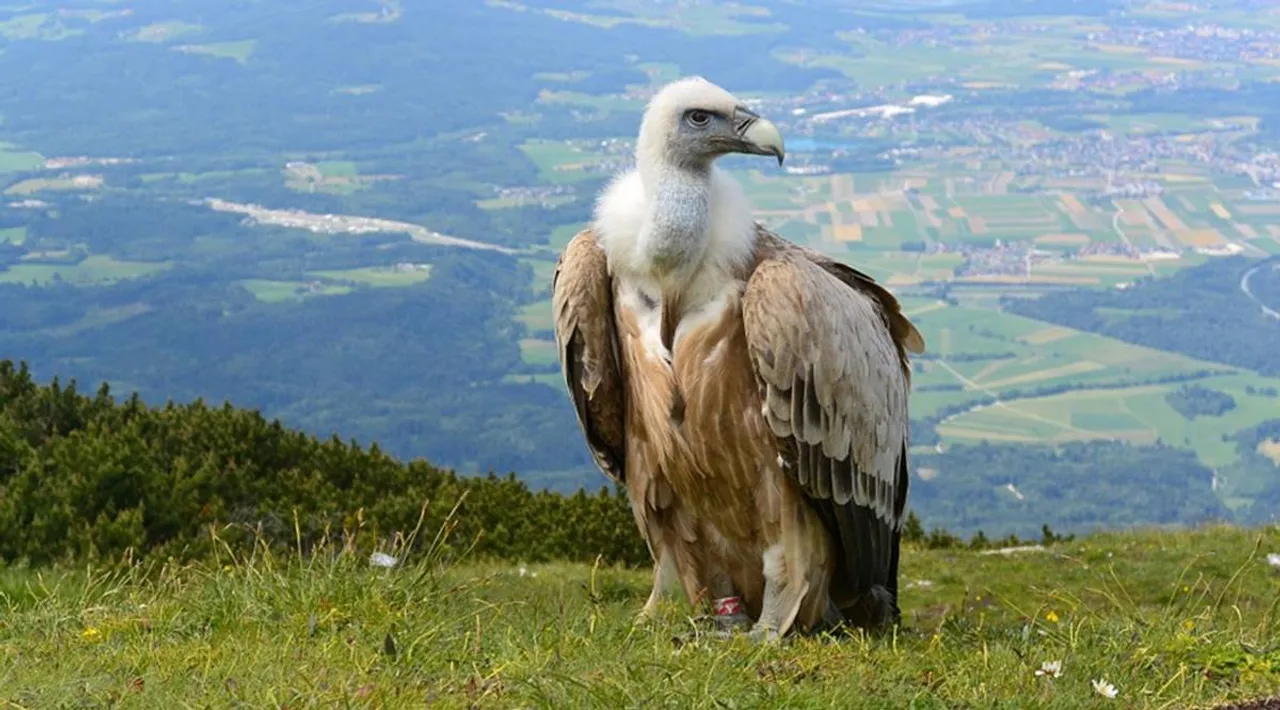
[[698, 118]]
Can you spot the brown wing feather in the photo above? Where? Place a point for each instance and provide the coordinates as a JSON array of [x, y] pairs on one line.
[[587, 340], [828, 347], [905, 334]]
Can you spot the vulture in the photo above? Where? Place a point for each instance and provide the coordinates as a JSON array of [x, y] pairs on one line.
[[749, 393]]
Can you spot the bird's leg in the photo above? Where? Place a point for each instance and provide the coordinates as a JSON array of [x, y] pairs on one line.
[[729, 613], [664, 578], [782, 597]]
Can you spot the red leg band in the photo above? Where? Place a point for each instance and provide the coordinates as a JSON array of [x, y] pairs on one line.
[[728, 606]]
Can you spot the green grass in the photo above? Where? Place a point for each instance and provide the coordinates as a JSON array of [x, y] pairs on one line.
[[560, 162], [338, 168], [1105, 421], [1271, 245], [16, 161], [561, 236], [13, 235], [36, 26], [32, 186], [697, 20], [535, 351], [1172, 620], [93, 270], [269, 291], [543, 271], [877, 64], [538, 316], [1150, 122], [600, 102], [377, 277]]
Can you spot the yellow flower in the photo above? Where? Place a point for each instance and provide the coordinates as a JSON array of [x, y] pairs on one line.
[[1188, 624], [90, 634], [1051, 617]]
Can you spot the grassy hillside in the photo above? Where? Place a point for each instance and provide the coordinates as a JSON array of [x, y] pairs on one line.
[[1186, 620]]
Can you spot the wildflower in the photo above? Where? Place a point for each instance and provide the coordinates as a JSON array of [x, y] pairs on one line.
[[1050, 669], [523, 570], [90, 634], [1273, 559], [382, 559], [1105, 689], [1051, 617], [1188, 624]]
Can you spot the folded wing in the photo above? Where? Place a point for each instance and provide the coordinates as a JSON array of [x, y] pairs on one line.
[[829, 350], [586, 336]]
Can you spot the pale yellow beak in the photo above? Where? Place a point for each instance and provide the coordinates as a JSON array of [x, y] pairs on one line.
[[764, 138]]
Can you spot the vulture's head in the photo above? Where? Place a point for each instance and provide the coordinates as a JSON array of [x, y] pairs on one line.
[[691, 122]]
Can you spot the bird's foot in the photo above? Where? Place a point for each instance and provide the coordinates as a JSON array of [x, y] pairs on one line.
[[727, 625], [648, 614], [763, 633]]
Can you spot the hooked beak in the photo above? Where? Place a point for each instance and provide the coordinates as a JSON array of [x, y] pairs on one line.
[[759, 136]]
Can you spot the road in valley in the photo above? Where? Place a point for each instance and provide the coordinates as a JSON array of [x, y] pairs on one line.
[[1244, 288], [1115, 224]]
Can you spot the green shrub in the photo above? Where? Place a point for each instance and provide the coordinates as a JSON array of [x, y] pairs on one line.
[[87, 478]]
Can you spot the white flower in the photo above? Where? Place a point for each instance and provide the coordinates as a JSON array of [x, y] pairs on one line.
[[1273, 559], [1050, 669], [1105, 689], [523, 571], [382, 559]]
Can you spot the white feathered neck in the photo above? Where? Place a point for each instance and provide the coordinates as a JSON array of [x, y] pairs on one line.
[[626, 206]]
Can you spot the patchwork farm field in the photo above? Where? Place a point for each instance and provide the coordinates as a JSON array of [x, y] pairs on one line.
[[1138, 413], [988, 352], [859, 213], [91, 270], [269, 291]]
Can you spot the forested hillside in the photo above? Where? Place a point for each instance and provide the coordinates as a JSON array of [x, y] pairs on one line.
[[84, 477]]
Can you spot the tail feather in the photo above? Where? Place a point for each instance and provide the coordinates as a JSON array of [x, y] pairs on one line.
[[874, 610], [864, 586]]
